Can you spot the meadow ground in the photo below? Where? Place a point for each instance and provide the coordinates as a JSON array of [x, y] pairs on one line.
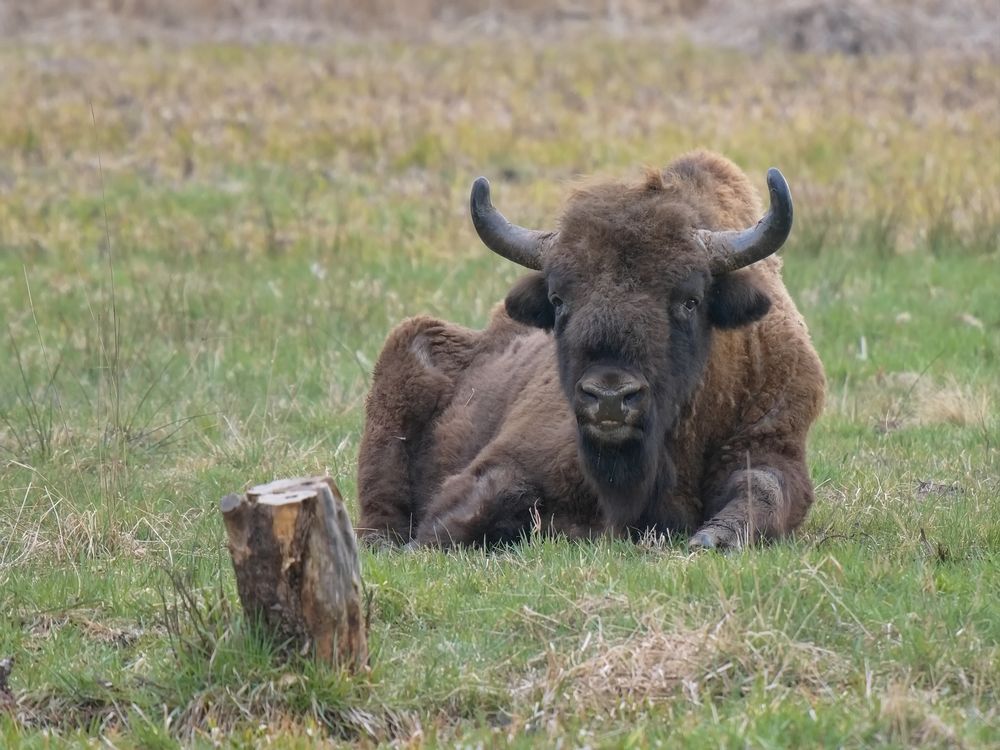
[[202, 248]]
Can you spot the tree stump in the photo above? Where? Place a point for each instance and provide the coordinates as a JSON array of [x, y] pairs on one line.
[[297, 571]]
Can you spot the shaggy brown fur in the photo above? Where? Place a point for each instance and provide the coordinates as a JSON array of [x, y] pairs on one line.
[[478, 436]]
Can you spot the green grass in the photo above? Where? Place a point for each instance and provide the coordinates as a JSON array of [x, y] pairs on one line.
[[272, 212]]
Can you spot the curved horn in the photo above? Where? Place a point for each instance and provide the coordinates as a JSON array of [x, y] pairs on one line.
[[731, 250], [523, 246]]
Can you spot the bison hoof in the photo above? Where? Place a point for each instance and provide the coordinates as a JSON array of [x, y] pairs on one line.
[[702, 540], [714, 538], [378, 541]]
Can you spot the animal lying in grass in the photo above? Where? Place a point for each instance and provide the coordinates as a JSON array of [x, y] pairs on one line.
[[651, 373]]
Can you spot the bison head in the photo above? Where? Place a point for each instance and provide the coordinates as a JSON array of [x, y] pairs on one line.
[[632, 285]]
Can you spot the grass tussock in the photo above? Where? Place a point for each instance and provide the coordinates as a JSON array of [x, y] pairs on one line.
[[660, 661], [954, 404], [605, 673]]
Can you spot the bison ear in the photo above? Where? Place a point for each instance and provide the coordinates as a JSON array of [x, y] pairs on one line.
[[734, 300], [528, 302]]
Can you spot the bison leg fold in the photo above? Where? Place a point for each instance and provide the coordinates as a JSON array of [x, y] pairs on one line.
[[413, 380], [766, 501], [482, 505]]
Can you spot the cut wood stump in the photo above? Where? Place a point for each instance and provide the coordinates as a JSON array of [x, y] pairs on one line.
[[297, 571]]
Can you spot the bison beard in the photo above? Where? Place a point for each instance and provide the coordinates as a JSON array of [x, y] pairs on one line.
[[627, 476], [639, 380]]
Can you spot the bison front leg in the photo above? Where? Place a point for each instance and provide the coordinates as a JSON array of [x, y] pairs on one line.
[[483, 505], [766, 500]]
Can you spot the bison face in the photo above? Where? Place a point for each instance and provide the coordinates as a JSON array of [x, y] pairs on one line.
[[631, 287], [631, 355]]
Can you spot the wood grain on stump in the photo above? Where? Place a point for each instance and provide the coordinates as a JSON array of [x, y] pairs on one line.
[[297, 571]]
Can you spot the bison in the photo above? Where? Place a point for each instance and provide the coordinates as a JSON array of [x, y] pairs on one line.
[[651, 374]]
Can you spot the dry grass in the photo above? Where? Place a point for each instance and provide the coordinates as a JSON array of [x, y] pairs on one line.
[[62, 532], [613, 673], [898, 400], [953, 403], [910, 715]]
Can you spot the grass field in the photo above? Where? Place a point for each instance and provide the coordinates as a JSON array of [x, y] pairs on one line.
[[202, 248]]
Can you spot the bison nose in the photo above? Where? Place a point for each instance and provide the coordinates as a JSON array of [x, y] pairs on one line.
[[611, 399]]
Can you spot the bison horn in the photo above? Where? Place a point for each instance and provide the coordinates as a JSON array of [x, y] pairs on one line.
[[523, 246], [731, 250]]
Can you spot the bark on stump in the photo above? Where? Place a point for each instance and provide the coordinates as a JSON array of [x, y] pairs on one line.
[[296, 562]]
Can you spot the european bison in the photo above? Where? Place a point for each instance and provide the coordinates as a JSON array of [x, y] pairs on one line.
[[637, 380]]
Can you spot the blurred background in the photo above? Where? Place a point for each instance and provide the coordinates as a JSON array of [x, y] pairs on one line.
[[211, 214], [853, 27]]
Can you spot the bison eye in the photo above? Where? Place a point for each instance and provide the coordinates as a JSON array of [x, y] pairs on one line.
[[690, 304]]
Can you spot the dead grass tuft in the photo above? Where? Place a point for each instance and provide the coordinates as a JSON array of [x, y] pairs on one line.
[[607, 671], [288, 703], [43, 523], [658, 660], [910, 720], [898, 400], [59, 712], [952, 403], [119, 635], [645, 668]]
